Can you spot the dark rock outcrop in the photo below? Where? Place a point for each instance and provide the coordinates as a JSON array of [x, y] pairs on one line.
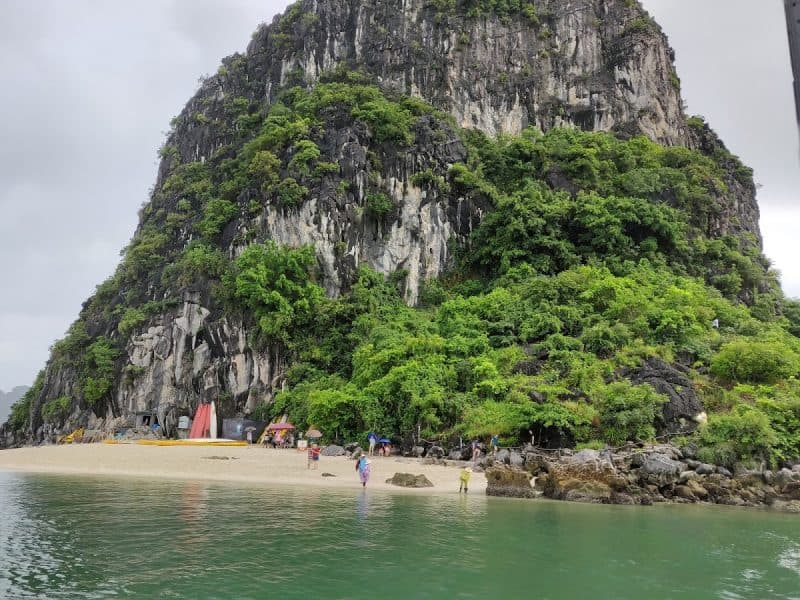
[[333, 450], [660, 469], [681, 412], [410, 481], [435, 452]]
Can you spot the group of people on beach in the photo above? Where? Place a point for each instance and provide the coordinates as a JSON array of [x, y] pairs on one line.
[[279, 439], [385, 448], [362, 463]]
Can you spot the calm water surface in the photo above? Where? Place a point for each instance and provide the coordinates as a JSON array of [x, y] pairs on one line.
[[67, 537]]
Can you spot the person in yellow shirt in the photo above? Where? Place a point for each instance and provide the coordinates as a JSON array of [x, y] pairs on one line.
[[463, 477]]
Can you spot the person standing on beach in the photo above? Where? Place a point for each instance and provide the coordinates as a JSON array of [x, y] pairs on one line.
[[313, 456], [494, 443], [463, 477], [372, 438], [476, 451], [363, 470]]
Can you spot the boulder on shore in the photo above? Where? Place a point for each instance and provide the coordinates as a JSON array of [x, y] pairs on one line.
[[333, 450], [409, 480], [508, 481], [660, 469], [435, 452]]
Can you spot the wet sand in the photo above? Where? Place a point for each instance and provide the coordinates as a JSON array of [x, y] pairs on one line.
[[254, 465]]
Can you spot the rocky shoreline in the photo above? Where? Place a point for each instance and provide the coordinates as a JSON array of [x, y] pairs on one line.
[[632, 475], [645, 476]]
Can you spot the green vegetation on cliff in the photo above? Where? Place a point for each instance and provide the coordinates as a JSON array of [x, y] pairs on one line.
[[596, 254]]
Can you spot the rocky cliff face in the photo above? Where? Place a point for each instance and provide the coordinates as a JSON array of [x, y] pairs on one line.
[[594, 64]]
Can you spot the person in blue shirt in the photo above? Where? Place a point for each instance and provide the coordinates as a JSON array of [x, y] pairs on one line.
[[372, 438], [494, 444]]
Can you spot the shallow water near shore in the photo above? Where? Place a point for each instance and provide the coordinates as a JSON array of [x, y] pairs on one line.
[[72, 537]]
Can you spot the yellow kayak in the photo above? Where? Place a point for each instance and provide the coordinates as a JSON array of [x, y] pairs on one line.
[[192, 442]]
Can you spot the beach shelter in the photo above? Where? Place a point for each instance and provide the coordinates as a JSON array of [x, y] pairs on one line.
[[276, 427], [280, 427]]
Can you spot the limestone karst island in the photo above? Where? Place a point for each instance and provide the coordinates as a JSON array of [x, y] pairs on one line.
[[401, 257], [453, 244], [486, 231]]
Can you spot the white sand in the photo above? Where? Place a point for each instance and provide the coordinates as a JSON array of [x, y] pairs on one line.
[[245, 465]]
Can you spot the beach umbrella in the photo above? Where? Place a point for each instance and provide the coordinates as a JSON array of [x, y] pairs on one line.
[[313, 433], [279, 426]]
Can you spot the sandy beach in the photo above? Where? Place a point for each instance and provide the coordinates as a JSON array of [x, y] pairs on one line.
[[253, 465]]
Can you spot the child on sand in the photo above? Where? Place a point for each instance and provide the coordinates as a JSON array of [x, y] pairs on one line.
[[313, 456], [464, 479]]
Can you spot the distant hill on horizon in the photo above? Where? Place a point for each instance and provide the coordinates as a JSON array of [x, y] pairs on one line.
[[7, 400]]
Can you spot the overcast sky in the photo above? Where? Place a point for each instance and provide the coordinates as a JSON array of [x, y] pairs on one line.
[[90, 87]]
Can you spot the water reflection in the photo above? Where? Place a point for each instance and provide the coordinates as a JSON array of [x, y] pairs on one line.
[[91, 538]]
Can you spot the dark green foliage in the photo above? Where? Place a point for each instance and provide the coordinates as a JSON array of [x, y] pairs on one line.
[[627, 412], [65, 351], [553, 231], [131, 319], [743, 433], [191, 181], [791, 312], [216, 214], [304, 152], [622, 201], [21, 410], [640, 25], [275, 284], [199, 262], [144, 254], [503, 9], [783, 412], [379, 204], [429, 179], [57, 409], [755, 362], [98, 370], [290, 192]]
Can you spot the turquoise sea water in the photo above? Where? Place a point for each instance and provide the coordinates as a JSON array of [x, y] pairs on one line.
[[68, 537]]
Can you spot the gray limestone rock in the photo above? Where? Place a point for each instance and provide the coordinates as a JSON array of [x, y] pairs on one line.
[[515, 459], [705, 469], [660, 469], [333, 450], [784, 477], [435, 452]]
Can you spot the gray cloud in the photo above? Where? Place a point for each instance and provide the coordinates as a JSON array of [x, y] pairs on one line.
[[90, 87], [733, 60]]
